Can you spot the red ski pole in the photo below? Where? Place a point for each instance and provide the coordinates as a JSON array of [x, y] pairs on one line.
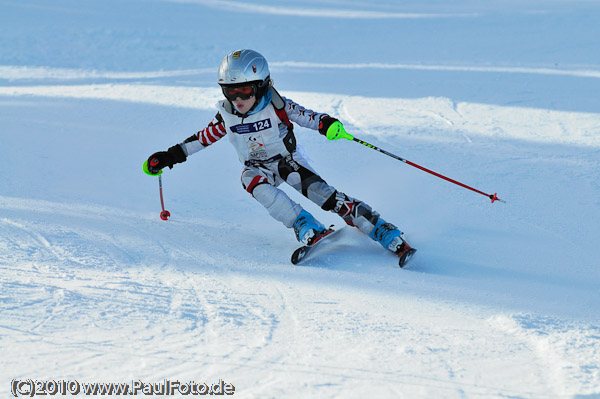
[[164, 215], [493, 197]]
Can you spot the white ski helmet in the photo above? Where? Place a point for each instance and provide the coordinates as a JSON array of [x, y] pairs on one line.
[[245, 66]]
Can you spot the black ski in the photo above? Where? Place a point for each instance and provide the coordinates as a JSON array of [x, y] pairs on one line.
[[301, 253]]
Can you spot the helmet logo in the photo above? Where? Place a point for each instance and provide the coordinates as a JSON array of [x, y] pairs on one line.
[[236, 54], [254, 68]]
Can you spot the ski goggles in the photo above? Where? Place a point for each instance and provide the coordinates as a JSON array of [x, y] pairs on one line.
[[243, 92]]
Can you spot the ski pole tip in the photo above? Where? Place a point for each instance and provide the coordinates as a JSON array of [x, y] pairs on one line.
[[494, 197], [164, 215]]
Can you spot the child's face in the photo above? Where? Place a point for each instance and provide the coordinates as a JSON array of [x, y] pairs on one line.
[[244, 106]]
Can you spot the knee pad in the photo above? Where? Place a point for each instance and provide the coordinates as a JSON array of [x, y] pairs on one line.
[[250, 184]]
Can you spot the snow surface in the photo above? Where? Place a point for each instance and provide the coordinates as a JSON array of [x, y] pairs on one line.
[[501, 300]]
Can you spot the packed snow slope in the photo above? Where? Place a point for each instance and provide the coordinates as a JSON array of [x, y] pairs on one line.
[[501, 300]]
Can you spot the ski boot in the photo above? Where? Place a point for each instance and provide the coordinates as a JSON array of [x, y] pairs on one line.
[[307, 228], [391, 238]]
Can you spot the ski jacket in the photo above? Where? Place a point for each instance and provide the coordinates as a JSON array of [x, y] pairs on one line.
[[262, 137]]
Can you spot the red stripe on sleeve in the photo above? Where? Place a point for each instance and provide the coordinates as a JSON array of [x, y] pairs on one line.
[[216, 132], [211, 134], [204, 139], [210, 137]]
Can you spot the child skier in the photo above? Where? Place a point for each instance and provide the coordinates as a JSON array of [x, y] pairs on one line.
[[258, 122]]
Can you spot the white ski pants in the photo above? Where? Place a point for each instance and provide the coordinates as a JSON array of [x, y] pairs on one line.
[[262, 181]]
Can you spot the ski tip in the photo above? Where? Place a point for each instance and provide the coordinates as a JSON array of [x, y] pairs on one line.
[[406, 257], [298, 255], [303, 251]]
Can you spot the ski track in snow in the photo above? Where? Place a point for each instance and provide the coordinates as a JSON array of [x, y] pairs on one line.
[[108, 304], [93, 294]]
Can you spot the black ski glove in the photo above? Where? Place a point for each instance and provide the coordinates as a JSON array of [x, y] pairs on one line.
[[162, 159], [333, 129], [324, 124]]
